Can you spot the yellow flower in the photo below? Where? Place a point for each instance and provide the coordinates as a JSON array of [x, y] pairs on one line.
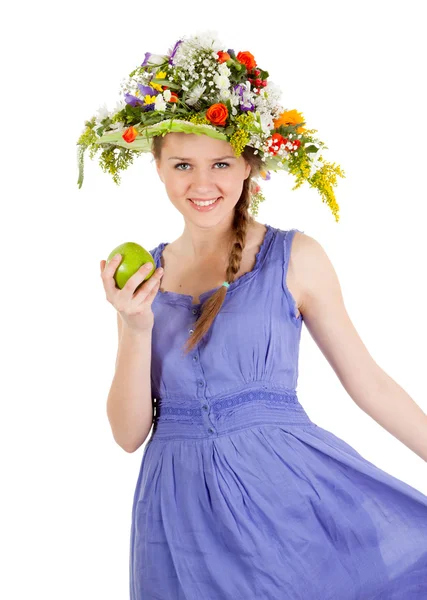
[[198, 119], [290, 117], [157, 86], [239, 140], [149, 99]]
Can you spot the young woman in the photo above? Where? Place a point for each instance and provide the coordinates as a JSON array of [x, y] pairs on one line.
[[240, 494]]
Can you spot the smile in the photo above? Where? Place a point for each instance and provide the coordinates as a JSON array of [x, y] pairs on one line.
[[204, 205]]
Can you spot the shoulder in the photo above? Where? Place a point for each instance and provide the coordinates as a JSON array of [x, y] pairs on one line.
[[311, 267], [303, 249], [299, 247], [303, 245]]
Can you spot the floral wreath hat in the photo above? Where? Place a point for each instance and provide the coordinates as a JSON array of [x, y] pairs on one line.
[[199, 87]]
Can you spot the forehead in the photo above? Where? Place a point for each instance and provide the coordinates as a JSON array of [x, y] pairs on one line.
[[191, 145]]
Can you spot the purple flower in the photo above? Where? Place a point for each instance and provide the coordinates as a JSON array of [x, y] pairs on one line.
[[244, 106], [172, 54], [239, 88], [137, 101], [146, 57], [133, 100], [147, 90]]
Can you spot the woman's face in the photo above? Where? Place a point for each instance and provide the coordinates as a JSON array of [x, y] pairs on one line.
[[190, 169]]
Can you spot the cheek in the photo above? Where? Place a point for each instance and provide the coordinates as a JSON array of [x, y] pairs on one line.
[[175, 183], [230, 181]]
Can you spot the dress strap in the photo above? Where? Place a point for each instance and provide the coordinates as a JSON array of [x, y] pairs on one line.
[[288, 237]]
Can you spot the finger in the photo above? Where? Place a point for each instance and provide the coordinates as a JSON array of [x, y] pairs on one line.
[[144, 296], [108, 269], [113, 261], [151, 295], [138, 278]]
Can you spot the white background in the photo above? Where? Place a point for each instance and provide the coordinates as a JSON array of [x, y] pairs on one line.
[[356, 72]]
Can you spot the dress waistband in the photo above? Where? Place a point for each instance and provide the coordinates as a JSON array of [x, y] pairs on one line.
[[222, 416]]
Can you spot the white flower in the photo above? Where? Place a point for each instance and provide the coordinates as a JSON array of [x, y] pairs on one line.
[[234, 99], [316, 164], [156, 59], [223, 69], [266, 124], [102, 112], [195, 94], [117, 125], [207, 39], [221, 81], [120, 104], [167, 95], [189, 49], [225, 94], [159, 103], [274, 91]]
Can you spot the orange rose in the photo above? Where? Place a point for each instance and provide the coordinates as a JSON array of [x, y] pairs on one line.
[[290, 117], [247, 59], [130, 134], [223, 56], [217, 114], [174, 97]]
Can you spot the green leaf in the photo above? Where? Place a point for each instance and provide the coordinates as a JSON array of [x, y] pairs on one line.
[[143, 142], [169, 84]]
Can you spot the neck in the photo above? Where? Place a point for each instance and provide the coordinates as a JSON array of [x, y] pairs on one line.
[[203, 242]]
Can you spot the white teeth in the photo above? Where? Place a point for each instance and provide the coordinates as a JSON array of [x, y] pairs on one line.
[[204, 203]]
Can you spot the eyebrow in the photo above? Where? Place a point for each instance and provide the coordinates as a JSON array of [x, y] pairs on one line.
[[189, 159]]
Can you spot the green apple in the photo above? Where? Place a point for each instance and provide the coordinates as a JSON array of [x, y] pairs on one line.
[[133, 257]]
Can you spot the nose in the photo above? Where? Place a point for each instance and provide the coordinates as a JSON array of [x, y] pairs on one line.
[[203, 184]]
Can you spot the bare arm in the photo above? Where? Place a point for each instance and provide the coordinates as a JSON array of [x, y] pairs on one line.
[[326, 318], [129, 404]]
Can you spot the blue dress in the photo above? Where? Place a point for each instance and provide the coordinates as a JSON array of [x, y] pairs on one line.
[[240, 496]]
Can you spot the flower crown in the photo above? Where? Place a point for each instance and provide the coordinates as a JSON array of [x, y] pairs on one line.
[[198, 87]]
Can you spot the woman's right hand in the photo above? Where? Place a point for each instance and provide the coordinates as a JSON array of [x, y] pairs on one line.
[[135, 309]]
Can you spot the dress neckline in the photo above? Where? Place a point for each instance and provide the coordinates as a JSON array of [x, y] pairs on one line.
[[187, 299]]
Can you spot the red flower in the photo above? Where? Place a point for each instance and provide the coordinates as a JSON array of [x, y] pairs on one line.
[[223, 56], [130, 134], [277, 140], [247, 59], [217, 114]]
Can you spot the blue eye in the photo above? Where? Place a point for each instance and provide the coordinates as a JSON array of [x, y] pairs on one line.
[[183, 163]]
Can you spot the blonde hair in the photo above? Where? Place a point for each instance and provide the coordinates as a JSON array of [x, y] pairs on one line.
[[242, 219]]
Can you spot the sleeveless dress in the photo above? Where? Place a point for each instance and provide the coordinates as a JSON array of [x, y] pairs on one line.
[[240, 496]]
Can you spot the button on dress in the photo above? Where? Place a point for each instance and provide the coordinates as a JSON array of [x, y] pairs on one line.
[[240, 495]]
